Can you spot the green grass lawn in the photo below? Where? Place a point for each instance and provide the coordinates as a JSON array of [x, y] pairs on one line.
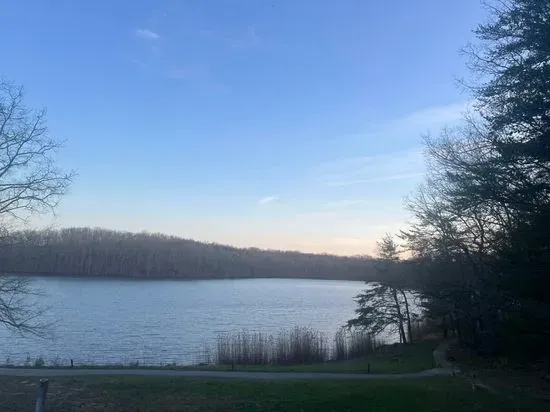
[[183, 394]]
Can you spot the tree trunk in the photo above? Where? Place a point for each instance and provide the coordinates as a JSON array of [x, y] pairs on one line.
[[408, 315], [399, 315], [458, 331]]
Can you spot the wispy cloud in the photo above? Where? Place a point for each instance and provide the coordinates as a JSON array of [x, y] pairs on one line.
[[402, 176], [268, 199], [140, 64], [413, 125], [368, 169], [391, 166], [435, 116], [147, 34]]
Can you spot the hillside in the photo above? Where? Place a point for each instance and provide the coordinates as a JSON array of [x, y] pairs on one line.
[[102, 252]]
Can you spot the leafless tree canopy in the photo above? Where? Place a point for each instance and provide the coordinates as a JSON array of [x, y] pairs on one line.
[[29, 180], [30, 183], [18, 310]]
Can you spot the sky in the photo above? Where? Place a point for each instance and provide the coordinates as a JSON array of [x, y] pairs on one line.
[[282, 124]]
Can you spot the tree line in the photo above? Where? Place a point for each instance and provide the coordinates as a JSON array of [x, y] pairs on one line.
[[479, 245], [102, 252]]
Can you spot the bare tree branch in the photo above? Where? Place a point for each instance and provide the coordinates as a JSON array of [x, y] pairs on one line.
[[30, 183]]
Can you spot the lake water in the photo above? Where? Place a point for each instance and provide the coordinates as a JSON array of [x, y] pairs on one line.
[[108, 321]]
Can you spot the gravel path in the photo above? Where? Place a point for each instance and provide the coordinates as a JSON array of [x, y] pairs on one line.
[[46, 373]]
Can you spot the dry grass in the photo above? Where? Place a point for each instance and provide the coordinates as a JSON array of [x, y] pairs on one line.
[[295, 346]]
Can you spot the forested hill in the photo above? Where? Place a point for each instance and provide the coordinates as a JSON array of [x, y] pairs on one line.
[[102, 252]]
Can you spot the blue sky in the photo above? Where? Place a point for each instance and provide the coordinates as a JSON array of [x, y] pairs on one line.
[[288, 124]]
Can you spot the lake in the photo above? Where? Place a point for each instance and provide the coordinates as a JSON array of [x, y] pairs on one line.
[[109, 321]]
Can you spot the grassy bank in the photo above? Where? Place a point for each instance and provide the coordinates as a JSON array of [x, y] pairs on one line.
[[169, 394], [385, 359]]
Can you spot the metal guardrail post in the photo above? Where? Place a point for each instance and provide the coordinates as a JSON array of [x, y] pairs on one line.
[[41, 392]]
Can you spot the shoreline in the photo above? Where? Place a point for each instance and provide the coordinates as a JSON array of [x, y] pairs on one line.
[[178, 278]]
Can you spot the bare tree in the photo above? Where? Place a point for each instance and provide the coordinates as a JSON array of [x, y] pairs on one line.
[[30, 184], [29, 180]]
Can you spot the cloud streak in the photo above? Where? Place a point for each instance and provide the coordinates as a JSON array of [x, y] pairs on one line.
[[370, 169], [403, 176], [435, 116], [268, 199], [391, 166], [147, 34], [140, 64]]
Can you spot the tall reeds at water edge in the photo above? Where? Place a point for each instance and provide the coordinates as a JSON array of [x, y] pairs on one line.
[[349, 344], [243, 348], [298, 345]]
